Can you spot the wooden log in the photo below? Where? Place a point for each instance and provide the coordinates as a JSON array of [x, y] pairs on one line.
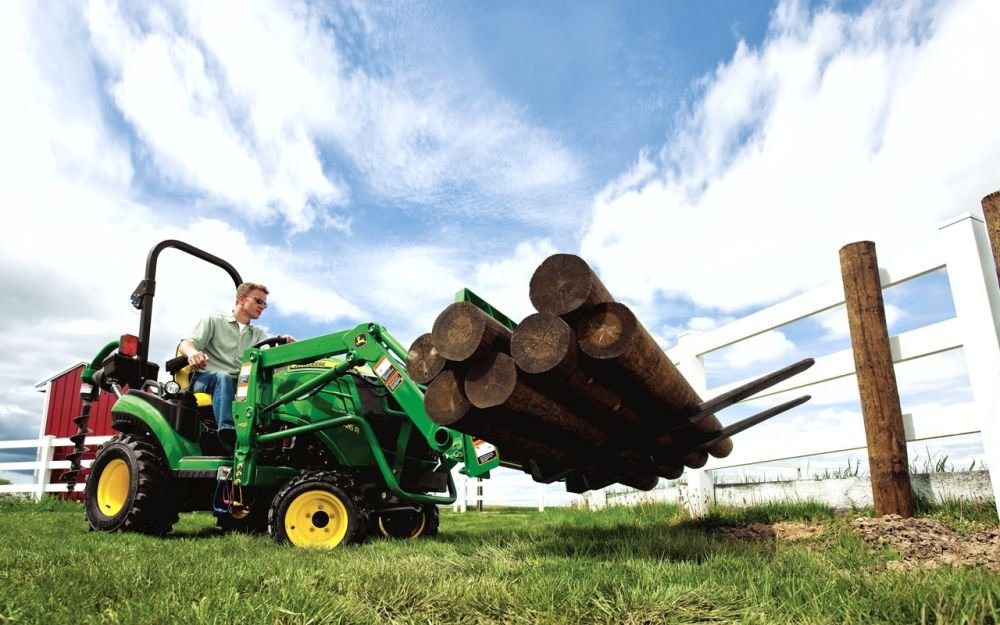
[[583, 481], [991, 212], [445, 401], [640, 481], [883, 417], [610, 332], [668, 470], [489, 425], [544, 346], [695, 459], [463, 331], [564, 284], [493, 381], [722, 448], [447, 405], [423, 361], [515, 435], [684, 446]]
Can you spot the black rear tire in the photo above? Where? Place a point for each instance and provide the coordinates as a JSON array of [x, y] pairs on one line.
[[420, 523], [254, 521], [129, 488]]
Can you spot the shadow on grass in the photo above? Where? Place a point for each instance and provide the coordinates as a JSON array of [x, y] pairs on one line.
[[766, 513], [673, 543]]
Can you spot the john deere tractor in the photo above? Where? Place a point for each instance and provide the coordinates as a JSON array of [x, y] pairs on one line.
[[332, 439]]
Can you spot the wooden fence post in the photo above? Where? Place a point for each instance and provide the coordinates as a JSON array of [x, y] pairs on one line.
[[991, 212], [887, 457]]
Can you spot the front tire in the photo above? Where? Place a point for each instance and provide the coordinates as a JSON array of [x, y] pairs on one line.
[[129, 488], [316, 509]]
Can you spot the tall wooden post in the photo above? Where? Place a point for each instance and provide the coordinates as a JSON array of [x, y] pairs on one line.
[[887, 458], [991, 211]]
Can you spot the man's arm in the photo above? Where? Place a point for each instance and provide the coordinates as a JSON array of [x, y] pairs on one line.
[[201, 335], [196, 358]]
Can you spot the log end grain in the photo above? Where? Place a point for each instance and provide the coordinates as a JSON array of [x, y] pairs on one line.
[[541, 342], [445, 401], [423, 361], [458, 331], [564, 283], [491, 380], [605, 330]]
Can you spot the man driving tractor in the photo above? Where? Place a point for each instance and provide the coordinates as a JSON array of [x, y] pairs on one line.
[[215, 347]]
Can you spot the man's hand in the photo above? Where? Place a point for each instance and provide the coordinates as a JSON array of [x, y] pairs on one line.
[[198, 360], [195, 357]]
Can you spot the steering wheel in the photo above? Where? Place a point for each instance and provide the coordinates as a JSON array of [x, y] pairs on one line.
[[176, 364]]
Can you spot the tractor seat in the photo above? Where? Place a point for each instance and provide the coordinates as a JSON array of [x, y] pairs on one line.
[[184, 376]]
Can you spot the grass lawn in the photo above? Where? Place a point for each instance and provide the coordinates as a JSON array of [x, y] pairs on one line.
[[647, 564]]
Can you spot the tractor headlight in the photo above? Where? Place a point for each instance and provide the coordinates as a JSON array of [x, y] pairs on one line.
[[172, 387]]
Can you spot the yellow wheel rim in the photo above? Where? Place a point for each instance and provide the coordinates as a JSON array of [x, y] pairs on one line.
[[316, 518], [415, 533], [112, 487]]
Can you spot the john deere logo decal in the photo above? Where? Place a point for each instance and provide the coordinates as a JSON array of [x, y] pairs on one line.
[[360, 340]]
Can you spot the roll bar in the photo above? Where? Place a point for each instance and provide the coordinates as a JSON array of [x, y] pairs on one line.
[[142, 297]]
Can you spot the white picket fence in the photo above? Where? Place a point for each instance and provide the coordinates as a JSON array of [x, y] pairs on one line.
[[964, 251], [44, 464], [469, 493]]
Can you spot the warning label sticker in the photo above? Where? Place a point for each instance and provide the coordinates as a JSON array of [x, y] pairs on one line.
[[388, 374], [243, 382], [484, 451]]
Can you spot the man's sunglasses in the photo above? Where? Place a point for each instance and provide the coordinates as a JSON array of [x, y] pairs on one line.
[[258, 300]]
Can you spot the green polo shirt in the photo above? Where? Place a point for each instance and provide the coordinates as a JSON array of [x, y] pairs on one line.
[[220, 338]]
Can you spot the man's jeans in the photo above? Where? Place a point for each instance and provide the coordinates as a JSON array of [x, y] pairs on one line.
[[222, 387]]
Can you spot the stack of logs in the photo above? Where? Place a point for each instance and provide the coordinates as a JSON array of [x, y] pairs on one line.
[[580, 390]]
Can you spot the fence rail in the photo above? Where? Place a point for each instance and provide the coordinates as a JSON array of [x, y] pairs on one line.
[[44, 464]]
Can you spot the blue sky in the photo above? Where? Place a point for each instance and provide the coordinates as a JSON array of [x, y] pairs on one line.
[[708, 158]]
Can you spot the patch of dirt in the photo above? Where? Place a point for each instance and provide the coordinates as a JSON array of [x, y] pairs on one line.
[[925, 543], [763, 531]]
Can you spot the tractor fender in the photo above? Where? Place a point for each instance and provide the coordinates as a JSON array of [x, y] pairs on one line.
[[173, 444]]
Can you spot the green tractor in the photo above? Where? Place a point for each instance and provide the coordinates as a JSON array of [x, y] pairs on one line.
[[333, 443]]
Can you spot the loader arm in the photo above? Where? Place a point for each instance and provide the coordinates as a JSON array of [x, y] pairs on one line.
[[369, 347]]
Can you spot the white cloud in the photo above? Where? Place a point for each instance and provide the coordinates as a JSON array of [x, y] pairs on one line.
[[240, 104], [202, 134], [704, 324], [413, 285], [766, 347], [836, 129]]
